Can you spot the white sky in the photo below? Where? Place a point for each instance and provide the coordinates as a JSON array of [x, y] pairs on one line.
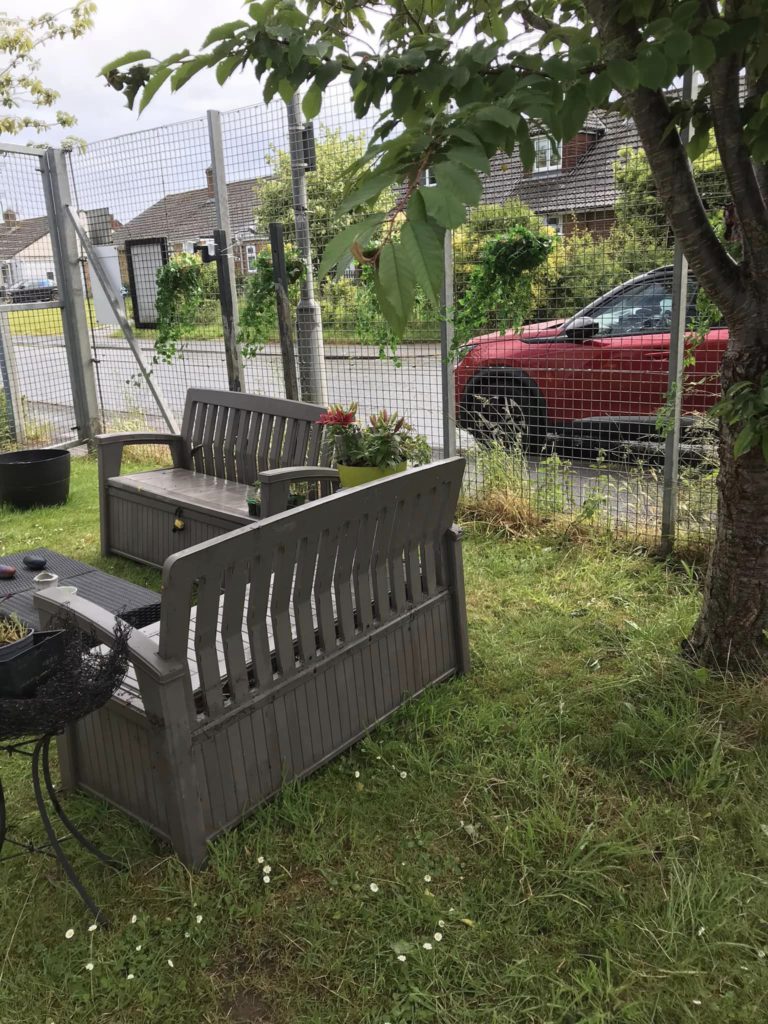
[[161, 26]]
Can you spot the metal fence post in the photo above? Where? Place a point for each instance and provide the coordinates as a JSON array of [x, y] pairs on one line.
[[225, 262], [446, 346], [66, 259], [284, 327], [12, 419], [309, 324], [675, 381]]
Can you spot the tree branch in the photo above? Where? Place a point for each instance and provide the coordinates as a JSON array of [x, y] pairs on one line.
[[736, 160], [672, 171]]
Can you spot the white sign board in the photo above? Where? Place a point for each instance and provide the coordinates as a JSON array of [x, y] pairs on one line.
[[107, 257]]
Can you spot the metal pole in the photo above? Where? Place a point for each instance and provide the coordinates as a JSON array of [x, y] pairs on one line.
[[676, 368], [446, 344], [225, 261], [69, 278], [12, 411], [309, 325], [122, 320], [285, 330]]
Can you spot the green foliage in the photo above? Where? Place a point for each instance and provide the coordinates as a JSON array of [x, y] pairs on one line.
[[24, 98], [500, 286], [11, 629], [186, 290], [258, 312], [745, 405]]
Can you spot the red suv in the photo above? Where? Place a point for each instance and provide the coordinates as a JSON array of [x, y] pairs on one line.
[[599, 377]]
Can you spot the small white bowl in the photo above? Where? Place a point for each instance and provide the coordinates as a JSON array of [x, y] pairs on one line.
[[45, 579]]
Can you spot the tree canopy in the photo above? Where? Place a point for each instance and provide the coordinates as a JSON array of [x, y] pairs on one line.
[[24, 98]]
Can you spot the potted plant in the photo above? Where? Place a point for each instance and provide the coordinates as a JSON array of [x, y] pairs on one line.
[[386, 445], [27, 656], [15, 637]]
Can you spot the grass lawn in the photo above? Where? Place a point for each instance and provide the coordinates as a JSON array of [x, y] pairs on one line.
[[576, 833]]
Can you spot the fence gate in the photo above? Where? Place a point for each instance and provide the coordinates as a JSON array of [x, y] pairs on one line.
[[48, 394]]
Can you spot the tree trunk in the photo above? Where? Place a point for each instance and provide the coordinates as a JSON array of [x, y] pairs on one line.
[[731, 630]]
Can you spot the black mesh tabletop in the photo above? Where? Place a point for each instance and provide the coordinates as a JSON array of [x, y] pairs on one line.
[[135, 604]]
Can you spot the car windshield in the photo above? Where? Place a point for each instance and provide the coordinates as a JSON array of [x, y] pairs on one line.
[[641, 308]]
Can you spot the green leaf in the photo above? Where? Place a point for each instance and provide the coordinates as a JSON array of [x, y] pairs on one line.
[[444, 206], [575, 109], [703, 52], [527, 152], [500, 115], [462, 180], [422, 242], [677, 45], [312, 102], [369, 187], [225, 31], [469, 156], [154, 83], [654, 69], [286, 89], [698, 144], [339, 245], [225, 68], [395, 286], [183, 74], [132, 57], [746, 440], [623, 74]]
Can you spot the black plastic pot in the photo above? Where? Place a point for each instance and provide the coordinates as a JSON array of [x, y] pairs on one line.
[[26, 669], [39, 476]]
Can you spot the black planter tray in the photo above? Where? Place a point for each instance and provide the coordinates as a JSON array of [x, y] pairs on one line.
[[21, 674]]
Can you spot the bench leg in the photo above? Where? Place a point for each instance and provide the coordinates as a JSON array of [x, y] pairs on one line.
[[456, 580], [110, 459], [178, 772]]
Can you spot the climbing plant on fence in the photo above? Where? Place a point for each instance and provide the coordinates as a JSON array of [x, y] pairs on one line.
[[258, 313]]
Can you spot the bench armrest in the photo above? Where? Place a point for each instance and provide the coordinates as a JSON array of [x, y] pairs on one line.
[[276, 485], [91, 618], [109, 448]]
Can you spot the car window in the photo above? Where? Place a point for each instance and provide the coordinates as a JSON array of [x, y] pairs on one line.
[[644, 308]]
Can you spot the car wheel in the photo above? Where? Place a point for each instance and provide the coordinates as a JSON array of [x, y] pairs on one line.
[[505, 411]]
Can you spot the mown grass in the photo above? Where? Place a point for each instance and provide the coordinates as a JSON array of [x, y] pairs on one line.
[[583, 820]]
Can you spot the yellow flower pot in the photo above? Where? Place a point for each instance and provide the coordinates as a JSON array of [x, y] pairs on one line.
[[353, 476]]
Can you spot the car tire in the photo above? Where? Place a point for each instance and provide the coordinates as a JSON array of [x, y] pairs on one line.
[[505, 410]]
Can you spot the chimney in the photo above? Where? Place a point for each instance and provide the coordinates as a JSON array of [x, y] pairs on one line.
[[209, 179], [10, 217]]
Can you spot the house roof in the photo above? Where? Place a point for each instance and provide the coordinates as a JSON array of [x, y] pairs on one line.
[[588, 185], [17, 236], [185, 216]]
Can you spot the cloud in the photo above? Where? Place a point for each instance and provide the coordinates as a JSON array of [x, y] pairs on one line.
[[161, 26]]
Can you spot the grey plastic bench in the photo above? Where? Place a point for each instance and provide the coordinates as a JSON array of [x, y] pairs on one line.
[[278, 646], [228, 441]]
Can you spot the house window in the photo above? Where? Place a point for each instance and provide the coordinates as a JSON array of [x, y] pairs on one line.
[[250, 258], [428, 178], [553, 221], [547, 157]]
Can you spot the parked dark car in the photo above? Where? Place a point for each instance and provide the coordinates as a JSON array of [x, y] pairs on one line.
[[598, 377], [33, 289]]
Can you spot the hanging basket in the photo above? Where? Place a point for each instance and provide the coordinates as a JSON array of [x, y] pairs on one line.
[[83, 679]]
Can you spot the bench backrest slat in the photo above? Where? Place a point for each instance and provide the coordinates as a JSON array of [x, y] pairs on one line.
[[235, 436], [300, 585]]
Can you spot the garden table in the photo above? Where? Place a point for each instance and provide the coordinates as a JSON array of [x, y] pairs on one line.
[[136, 605]]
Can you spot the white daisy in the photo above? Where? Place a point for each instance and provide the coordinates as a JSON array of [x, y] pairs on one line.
[[373, 887], [69, 933]]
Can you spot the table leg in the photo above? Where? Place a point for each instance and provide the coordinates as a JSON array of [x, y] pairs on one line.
[[58, 852], [65, 819]]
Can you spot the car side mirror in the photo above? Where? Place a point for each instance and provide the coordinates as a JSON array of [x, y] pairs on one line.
[[582, 328]]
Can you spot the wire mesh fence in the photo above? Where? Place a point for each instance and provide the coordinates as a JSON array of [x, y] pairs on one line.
[[35, 399], [561, 312]]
